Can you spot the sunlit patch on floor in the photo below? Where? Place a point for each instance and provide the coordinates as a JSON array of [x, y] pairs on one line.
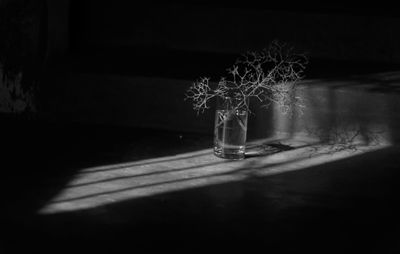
[[98, 186]]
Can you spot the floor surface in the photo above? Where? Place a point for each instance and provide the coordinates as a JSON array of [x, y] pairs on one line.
[[73, 188]]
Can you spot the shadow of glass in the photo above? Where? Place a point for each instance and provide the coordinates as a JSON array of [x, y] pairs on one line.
[[268, 148]]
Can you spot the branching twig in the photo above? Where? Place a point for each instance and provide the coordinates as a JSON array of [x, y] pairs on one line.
[[269, 75]]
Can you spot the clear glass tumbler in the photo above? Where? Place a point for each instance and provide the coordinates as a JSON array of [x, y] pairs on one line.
[[230, 128]]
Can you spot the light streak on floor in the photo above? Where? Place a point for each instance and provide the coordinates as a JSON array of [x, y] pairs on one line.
[[336, 112], [98, 186]]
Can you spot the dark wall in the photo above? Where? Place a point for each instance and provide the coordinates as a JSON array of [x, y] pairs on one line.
[[23, 48], [105, 59], [335, 32], [118, 62]]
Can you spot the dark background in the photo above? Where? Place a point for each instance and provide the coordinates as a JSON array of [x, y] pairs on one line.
[[110, 78], [98, 62]]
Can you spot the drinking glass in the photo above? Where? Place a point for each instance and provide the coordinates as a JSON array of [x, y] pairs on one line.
[[230, 128]]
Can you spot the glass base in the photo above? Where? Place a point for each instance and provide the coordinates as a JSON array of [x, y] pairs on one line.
[[231, 154]]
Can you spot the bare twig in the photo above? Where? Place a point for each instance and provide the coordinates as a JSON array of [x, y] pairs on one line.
[[269, 75]]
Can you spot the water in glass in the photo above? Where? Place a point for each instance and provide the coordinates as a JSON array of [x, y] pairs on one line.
[[230, 133]]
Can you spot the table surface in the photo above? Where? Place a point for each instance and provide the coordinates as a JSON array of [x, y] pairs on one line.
[[69, 187]]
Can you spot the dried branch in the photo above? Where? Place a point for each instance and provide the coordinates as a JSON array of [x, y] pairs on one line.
[[269, 75]]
